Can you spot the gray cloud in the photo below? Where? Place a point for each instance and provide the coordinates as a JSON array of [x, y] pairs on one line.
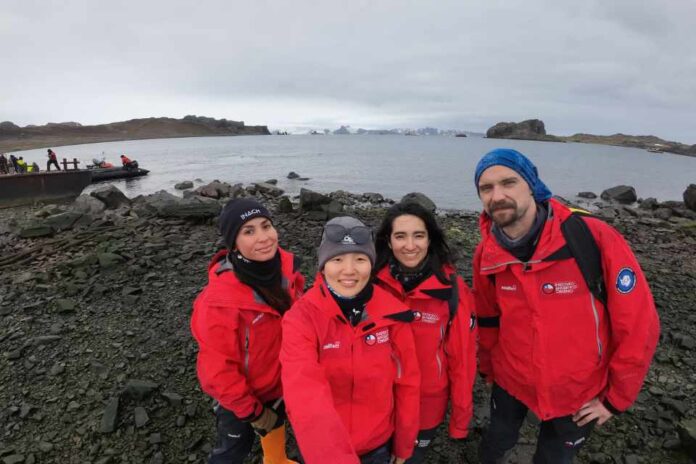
[[594, 66]]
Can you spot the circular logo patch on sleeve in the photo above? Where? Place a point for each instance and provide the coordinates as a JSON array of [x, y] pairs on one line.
[[626, 280]]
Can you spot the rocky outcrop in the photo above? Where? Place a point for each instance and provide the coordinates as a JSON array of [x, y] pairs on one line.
[[690, 197], [635, 141], [13, 138], [621, 193], [420, 198], [531, 129], [110, 196]]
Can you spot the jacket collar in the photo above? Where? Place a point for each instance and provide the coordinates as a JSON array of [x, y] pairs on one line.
[[424, 290], [382, 310]]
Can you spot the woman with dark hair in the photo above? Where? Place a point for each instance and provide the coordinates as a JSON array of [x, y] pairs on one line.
[[415, 264], [350, 372], [237, 324]]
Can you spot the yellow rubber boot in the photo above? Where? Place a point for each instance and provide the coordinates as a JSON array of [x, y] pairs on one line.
[[273, 445]]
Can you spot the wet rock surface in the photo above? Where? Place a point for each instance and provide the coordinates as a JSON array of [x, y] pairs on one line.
[[98, 364]]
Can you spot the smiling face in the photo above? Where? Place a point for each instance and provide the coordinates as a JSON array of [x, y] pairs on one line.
[[348, 274], [507, 199], [409, 240], [257, 240]]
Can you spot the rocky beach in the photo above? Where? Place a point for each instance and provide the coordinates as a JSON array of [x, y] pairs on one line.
[[98, 364]]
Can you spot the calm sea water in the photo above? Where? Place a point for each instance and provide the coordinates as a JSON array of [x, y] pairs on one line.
[[441, 167]]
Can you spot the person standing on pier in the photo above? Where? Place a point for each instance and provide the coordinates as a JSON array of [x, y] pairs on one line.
[[52, 160]]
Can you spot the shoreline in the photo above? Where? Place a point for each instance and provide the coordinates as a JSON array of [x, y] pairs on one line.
[[103, 301]]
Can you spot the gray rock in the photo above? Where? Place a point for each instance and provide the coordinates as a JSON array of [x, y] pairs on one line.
[[531, 129], [663, 213], [88, 204], [284, 205], [621, 193], [45, 339], [421, 199], [110, 416], [187, 184], [190, 208], [63, 221], [373, 197], [173, 398], [109, 260], [272, 181], [649, 203], [155, 438], [139, 389], [590, 195], [268, 189], [312, 201], [216, 189], [34, 230], [65, 306], [690, 197], [45, 447], [110, 196], [13, 459], [141, 417], [293, 175]]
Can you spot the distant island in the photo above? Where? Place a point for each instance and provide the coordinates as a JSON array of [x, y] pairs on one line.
[[534, 129], [15, 138]]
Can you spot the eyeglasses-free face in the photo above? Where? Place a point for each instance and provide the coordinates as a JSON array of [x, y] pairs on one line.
[[348, 274]]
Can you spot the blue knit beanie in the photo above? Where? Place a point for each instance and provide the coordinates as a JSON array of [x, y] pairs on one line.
[[519, 163]]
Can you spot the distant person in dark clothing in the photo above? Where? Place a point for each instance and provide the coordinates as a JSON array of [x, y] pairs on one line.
[[52, 160], [3, 164], [127, 163], [13, 161], [34, 167]]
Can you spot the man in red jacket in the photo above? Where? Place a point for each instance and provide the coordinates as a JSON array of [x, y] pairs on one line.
[[546, 343]]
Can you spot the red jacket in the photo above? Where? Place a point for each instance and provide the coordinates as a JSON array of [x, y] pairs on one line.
[[125, 160], [238, 336], [557, 347], [349, 390], [446, 355]]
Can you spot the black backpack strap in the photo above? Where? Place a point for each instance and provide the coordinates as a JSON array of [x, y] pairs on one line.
[[584, 249], [454, 298]]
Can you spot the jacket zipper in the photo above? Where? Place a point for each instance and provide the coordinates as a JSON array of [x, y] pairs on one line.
[[246, 350], [398, 365], [437, 351], [596, 320], [526, 264]]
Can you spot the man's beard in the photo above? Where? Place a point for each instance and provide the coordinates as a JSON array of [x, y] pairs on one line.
[[508, 217]]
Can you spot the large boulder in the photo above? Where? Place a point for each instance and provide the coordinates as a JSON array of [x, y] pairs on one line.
[[187, 184], [621, 193], [421, 199], [63, 221], [531, 129], [88, 204], [268, 189], [110, 196], [190, 208], [312, 201], [217, 189], [164, 204], [690, 197]]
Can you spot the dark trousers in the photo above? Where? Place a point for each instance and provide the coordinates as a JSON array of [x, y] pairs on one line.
[[235, 437], [52, 162], [558, 442], [425, 437]]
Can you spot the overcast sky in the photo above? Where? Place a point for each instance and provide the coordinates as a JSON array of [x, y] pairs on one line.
[[596, 66]]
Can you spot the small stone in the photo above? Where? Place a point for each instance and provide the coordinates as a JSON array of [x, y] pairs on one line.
[[65, 306], [180, 421], [13, 459], [73, 405], [589, 195], [139, 389], [109, 260], [155, 439], [56, 369], [191, 410], [110, 417], [187, 184], [293, 175], [157, 458], [45, 446], [173, 398], [141, 417]]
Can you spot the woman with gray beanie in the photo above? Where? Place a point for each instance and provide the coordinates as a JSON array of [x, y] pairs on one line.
[[237, 324], [350, 373]]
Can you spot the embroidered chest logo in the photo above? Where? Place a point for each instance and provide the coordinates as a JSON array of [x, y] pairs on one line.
[[626, 280], [509, 288], [332, 346], [378, 337], [560, 288]]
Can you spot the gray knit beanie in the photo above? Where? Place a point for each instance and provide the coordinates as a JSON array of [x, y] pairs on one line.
[[343, 235]]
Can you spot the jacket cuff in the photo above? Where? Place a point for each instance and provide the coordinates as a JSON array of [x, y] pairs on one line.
[[255, 414], [611, 407]]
